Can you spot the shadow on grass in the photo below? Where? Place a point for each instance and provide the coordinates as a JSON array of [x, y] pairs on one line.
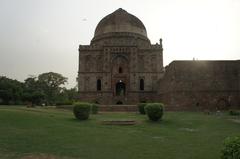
[[162, 122], [154, 122]]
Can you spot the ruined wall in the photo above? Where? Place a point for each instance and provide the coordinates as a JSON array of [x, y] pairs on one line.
[[194, 85]]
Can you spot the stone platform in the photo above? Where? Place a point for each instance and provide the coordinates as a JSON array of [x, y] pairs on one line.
[[118, 108]]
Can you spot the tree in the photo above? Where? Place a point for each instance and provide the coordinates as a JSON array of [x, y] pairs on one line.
[[67, 96], [10, 91], [51, 84], [33, 92], [71, 93], [47, 88]]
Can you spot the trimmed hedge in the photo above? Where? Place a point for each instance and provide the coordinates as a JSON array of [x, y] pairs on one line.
[[94, 108], [234, 112], [141, 108], [81, 110], [154, 111], [231, 148]]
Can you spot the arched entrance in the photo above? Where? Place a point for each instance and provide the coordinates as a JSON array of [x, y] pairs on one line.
[[119, 103], [120, 88], [223, 104], [120, 78]]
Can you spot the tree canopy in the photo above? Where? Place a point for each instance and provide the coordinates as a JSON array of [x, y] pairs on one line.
[[47, 88], [51, 84], [10, 90]]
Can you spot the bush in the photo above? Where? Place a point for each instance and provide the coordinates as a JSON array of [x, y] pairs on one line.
[[141, 108], [234, 112], [231, 149], [94, 108], [82, 110], [154, 111], [64, 103]]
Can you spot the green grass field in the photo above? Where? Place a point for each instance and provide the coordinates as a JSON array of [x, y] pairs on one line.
[[57, 134]]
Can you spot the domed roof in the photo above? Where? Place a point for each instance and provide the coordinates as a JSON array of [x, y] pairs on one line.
[[120, 21]]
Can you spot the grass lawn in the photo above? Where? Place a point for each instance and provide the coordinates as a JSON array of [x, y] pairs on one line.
[[180, 135]]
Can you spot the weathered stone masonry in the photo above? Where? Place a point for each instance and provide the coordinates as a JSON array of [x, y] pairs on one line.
[[194, 85]]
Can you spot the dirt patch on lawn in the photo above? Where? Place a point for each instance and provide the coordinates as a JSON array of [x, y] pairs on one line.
[[235, 120]]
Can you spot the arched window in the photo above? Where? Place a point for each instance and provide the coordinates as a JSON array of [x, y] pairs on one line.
[[99, 85], [120, 70], [141, 84]]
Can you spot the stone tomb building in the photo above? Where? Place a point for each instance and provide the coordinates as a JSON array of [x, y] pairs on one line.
[[121, 66]]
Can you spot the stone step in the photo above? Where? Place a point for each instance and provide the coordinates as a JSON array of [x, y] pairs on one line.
[[131, 108], [118, 108]]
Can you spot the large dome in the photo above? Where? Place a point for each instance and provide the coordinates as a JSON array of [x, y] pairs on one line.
[[120, 21]]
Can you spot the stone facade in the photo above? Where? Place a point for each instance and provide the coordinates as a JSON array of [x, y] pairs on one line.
[[120, 66], [199, 85]]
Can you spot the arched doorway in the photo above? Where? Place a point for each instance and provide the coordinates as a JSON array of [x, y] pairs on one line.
[[119, 103], [223, 104], [141, 86], [120, 88], [120, 78]]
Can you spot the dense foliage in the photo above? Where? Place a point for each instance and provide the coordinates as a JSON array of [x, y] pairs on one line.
[[51, 85], [231, 148], [141, 108], [46, 89], [33, 92], [82, 110], [154, 111], [11, 91], [234, 112], [64, 103]]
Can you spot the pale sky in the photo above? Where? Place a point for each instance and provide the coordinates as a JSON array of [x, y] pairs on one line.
[[38, 36]]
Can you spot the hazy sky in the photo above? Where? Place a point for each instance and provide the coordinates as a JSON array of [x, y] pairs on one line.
[[38, 36]]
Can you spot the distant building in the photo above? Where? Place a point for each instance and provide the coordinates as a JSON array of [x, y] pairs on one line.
[[121, 66]]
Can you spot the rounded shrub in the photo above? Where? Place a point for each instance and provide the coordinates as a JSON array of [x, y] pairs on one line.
[[141, 108], [94, 108], [154, 111], [234, 112], [81, 110], [231, 149]]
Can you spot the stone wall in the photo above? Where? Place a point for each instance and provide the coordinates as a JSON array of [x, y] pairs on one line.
[[198, 85], [108, 98]]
